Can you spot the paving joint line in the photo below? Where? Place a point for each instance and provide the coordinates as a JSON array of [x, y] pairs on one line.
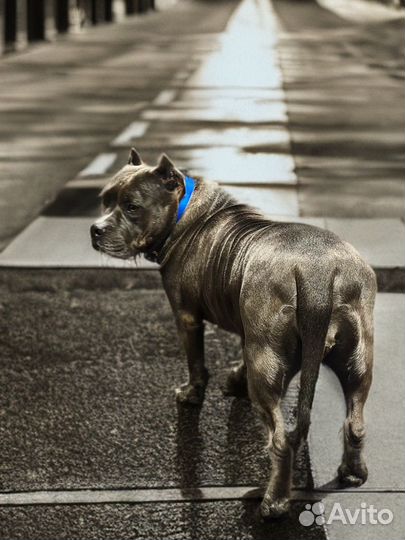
[[162, 495]]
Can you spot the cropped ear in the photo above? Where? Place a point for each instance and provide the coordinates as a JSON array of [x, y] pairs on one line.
[[165, 166], [134, 158], [166, 170]]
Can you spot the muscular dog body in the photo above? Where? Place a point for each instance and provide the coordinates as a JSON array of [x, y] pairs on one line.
[[297, 295]]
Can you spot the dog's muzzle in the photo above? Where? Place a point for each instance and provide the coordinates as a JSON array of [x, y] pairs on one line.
[[97, 232]]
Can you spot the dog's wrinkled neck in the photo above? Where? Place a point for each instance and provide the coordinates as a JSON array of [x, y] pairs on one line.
[[153, 253], [206, 203]]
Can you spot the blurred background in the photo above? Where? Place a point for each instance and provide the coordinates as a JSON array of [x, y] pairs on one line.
[[35, 20]]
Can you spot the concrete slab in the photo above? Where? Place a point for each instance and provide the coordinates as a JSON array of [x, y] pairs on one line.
[[60, 242], [380, 241], [92, 182], [372, 197], [229, 165], [229, 112], [134, 131], [60, 237], [352, 167], [384, 410], [198, 94], [164, 97], [162, 136], [362, 11], [233, 520], [272, 201], [351, 141], [88, 380], [100, 165]]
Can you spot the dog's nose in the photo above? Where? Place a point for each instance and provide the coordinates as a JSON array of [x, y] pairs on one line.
[[96, 231]]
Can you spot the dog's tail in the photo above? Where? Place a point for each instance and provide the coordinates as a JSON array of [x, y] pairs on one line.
[[314, 310]]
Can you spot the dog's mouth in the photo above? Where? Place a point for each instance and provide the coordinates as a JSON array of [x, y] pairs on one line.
[[95, 244], [115, 250], [112, 245]]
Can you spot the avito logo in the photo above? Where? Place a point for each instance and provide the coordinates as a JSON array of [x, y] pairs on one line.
[[366, 514]]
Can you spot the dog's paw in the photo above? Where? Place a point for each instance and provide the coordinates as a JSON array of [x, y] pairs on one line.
[[188, 394], [236, 384], [352, 475], [274, 508]]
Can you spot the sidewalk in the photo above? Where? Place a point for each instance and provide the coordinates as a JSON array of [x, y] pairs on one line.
[[92, 443]]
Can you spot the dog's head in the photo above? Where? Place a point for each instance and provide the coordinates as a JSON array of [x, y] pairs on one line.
[[140, 208]]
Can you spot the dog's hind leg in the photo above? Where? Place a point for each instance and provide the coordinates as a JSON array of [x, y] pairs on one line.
[[352, 360], [266, 379]]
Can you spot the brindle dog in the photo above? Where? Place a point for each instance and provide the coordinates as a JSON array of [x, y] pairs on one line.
[[297, 295]]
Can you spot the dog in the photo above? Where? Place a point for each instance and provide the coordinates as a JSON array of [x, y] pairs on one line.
[[297, 296]]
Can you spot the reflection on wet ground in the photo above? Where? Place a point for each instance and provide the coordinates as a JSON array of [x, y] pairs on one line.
[[232, 116]]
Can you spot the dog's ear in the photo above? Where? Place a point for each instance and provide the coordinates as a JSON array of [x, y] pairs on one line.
[[134, 158], [171, 177], [165, 167]]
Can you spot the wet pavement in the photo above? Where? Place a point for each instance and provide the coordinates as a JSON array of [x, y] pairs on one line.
[[344, 87], [303, 126]]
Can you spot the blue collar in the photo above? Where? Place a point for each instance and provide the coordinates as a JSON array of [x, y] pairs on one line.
[[190, 187]]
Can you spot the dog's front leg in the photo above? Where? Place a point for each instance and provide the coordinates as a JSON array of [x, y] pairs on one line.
[[191, 331]]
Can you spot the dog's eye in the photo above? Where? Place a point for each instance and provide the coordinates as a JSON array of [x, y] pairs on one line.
[[131, 207]]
